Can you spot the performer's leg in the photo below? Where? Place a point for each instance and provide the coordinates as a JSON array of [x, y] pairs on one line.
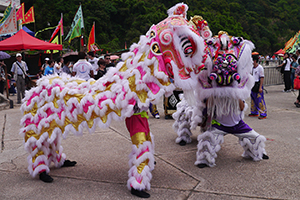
[[253, 144], [56, 155], [154, 111], [209, 143], [141, 161], [182, 124], [38, 160], [19, 90], [254, 104]]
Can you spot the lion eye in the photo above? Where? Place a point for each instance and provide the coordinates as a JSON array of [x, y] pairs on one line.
[[186, 45], [152, 34]]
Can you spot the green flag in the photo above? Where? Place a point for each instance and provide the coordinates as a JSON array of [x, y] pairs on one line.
[[6, 13], [78, 18], [76, 31]]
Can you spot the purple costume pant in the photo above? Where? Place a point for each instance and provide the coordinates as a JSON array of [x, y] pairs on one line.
[[258, 105]]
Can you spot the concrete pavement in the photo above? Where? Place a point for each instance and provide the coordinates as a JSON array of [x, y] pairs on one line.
[[102, 161]]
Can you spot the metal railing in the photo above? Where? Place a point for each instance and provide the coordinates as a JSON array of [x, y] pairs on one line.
[[272, 76]]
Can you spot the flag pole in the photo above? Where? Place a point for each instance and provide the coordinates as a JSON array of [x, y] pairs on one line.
[[61, 27]]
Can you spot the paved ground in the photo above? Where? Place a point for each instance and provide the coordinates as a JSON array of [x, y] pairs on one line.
[[101, 172]]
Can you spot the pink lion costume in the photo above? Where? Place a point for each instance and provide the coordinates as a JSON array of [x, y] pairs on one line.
[[217, 102], [61, 104]]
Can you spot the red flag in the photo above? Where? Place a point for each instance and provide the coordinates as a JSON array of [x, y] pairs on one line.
[[91, 40], [58, 28], [29, 16], [20, 13]]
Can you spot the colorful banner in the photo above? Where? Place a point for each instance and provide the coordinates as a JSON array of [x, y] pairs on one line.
[[296, 45], [91, 40], [29, 16], [9, 26], [55, 40], [20, 13], [76, 31], [78, 17], [57, 29], [6, 14]]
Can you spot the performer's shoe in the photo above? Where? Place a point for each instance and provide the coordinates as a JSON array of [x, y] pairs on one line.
[[297, 104], [157, 116], [265, 157], [253, 115], [45, 177], [202, 165], [140, 193], [262, 117], [69, 163], [182, 143]]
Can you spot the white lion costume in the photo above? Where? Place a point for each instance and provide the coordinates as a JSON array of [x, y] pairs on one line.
[[217, 103], [61, 104]]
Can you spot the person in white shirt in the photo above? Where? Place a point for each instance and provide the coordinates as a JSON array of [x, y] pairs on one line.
[[258, 104], [94, 62], [287, 72], [19, 71], [82, 68], [58, 65]]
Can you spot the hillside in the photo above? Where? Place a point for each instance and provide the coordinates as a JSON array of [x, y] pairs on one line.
[[267, 23]]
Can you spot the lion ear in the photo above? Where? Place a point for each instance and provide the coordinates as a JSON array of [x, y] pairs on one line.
[[179, 9]]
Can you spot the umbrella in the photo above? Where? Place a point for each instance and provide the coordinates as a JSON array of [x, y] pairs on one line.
[[4, 55], [280, 51], [114, 57], [71, 56], [280, 54], [255, 53]]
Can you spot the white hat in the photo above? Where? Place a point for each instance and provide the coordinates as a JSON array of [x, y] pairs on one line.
[[18, 54], [47, 59]]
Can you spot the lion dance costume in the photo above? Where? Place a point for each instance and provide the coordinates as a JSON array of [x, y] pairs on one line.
[[217, 102], [61, 104]]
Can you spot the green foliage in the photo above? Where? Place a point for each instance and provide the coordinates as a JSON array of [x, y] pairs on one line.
[[267, 23]]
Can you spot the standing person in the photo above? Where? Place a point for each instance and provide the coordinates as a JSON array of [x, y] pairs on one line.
[[2, 76], [45, 65], [49, 69], [66, 67], [82, 68], [287, 72], [101, 69], [294, 66], [58, 65], [298, 56], [297, 73], [258, 105], [19, 71], [94, 62], [108, 63]]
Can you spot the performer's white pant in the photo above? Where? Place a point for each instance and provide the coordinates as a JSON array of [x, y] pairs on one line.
[[209, 143]]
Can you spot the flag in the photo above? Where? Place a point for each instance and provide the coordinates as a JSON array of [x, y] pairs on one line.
[[91, 40], [6, 13], [9, 26], [296, 44], [77, 18], [76, 31], [29, 16], [20, 13], [55, 40], [57, 29]]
